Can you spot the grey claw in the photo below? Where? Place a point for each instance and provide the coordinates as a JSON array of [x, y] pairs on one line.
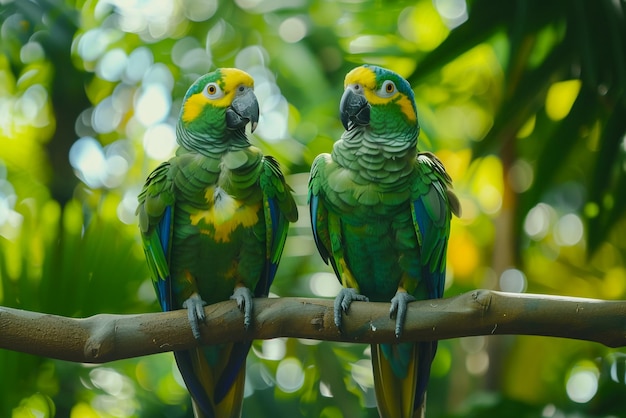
[[195, 312], [399, 304], [342, 303], [244, 297]]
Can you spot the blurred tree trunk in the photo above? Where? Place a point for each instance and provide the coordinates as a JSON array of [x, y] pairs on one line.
[[54, 25], [504, 257], [68, 96]]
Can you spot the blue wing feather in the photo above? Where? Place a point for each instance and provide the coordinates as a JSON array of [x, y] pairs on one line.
[[277, 224], [163, 285], [277, 219], [314, 203], [277, 234], [433, 271], [317, 211], [316, 206]]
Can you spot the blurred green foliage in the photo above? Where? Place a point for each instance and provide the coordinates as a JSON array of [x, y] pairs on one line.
[[523, 101]]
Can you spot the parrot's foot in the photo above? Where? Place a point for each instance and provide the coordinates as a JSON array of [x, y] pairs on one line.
[[399, 304], [343, 300], [244, 297], [195, 312]]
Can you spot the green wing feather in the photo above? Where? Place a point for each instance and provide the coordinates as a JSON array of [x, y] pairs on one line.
[[325, 225], [432, 205], [279, 209]]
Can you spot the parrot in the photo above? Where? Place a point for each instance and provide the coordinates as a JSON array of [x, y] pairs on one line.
[[213, 222], [380, 214]]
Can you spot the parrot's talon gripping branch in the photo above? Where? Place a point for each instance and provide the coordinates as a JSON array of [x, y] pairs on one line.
[[342, 303], [244, 296], [195, 312], [399, 304]]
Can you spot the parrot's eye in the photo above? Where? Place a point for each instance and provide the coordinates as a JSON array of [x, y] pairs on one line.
[[213, 91], [388, 89]]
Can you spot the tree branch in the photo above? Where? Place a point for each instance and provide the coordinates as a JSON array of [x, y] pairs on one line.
[[104, 337]]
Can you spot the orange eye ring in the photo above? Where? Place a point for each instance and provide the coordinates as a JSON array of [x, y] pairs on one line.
[[389, 88], [212, 89]]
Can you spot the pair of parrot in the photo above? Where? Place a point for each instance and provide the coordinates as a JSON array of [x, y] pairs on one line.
[[214, 221]]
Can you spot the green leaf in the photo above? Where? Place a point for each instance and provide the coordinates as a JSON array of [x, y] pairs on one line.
[[559, 146], [526, 100], [486, 17], [608, 178]]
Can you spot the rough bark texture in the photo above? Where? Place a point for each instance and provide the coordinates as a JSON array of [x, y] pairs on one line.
[[102, 338]]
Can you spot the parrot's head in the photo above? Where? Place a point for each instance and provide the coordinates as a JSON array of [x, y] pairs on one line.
[[379, 99], [218, 102]]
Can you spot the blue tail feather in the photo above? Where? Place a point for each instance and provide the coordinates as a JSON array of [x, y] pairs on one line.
[[426, 354], [185, 365], [236, 361]]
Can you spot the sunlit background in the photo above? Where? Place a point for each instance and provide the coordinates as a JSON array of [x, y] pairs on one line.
[[522, 100]]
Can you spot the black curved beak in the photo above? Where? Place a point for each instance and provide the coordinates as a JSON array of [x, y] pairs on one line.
[[354, 108], [244, 109]]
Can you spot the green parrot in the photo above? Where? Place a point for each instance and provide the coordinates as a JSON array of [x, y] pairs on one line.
[[380, 213], [213, 221]]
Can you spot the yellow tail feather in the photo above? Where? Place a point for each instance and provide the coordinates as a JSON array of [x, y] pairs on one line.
[[231, 405], [395, 397]]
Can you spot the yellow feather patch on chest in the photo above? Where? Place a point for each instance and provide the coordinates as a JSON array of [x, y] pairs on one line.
[[225, 214]]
